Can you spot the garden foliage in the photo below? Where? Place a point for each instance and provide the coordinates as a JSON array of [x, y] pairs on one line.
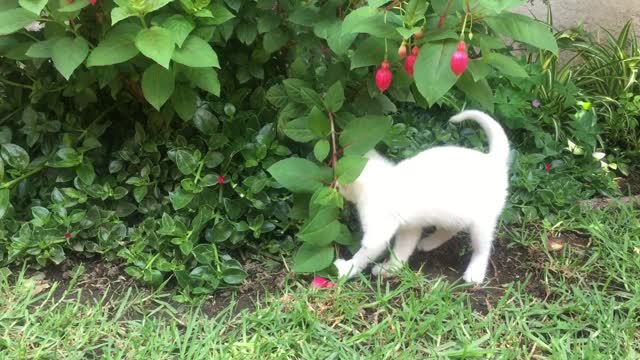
[[173, 134]]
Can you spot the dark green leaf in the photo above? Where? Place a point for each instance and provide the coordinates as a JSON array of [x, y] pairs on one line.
[[187, 164], [311, 258], [15, 156], [506, 64], [67, 54], [334, 98], [180, 198], [157, 85], [479, 91], [299, 175], [196, 53], [362, 134], [349, 168], [433, 73], [524, 29], [4, 202]]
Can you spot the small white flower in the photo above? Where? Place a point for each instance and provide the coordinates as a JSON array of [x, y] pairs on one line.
[[35, 26], [21, 65], [66, 22]]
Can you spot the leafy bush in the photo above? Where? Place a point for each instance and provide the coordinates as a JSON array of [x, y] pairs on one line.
[[169, 134]]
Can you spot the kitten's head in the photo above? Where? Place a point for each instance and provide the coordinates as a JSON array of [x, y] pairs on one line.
[[376, 164]]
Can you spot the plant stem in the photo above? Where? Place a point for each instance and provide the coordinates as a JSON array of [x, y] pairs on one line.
[[144, 23], [334, 151], [13, 83], [197, 179], [444, 14], [20, 178]]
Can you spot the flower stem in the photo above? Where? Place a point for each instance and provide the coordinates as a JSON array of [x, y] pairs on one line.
[[9, 184], [13, 83]]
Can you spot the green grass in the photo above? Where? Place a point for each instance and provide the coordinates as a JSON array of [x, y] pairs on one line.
[[590, 312]]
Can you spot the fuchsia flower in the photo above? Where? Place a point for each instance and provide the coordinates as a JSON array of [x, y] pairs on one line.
[[67, 235], [547, 167], [319, 282], [220, 179], [93, 2]]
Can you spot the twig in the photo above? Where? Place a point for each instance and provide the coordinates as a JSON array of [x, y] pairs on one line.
[[444, 14]]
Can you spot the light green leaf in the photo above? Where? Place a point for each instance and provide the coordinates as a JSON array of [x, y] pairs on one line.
[[349, 168], [117, 47], [120, 13], [369, 20], [180, 27], [321, 149], [67, 54], [478, 69], [363, 134], [156, 43], [197, 53], [334, 98], [433, 73], [371, 52], [42, 49], [205, 78], [180, 199], [157, 85], [35, 6], [299, 175], [319, 122], [4, 202], [414, 11], [506, 64], [310, 97], [524, 29], [310, 258], [15, 19]]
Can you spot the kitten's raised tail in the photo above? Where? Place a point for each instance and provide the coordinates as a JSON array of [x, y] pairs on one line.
[[498, 142]]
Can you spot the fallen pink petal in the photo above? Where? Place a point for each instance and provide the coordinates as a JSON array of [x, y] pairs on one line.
[[319, 282]]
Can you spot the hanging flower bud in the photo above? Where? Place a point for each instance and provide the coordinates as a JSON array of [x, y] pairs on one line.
[[419, 34], [383, 76], [410, 62], [402, 50], [460, 59]]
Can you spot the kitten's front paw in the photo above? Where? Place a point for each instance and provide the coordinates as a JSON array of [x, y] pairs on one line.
[[345, 268], [385, 269], [474, 276]]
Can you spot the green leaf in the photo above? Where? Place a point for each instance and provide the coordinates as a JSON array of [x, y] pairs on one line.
[[478, 69], [321, 149], [299, 175], [334, 98], [322, 229], [220, 14], [310, 97], [117, 47], [4, 202], [35, 6], [203, 253], [274, 40], [74, 6], [310, 258], [524, 29], [506, 64], [180, 27], [40, 215], [433, 75], [363, 134], [196, 53], [15, 19], [371, 52], [206, 122], [157, 85], [234, 276], [42, 49], [139, 192], [479, 91], [86, 173], [120, 13], [344, 236], [349, 168], [205, 78], [369, 20], [180, 199], [187, 164], [157, 44], [318, 122], [414, 11], [246, 33], [498, 6], [277, 96], [184, 101], [15, 156], [67, 54], [298, 130]]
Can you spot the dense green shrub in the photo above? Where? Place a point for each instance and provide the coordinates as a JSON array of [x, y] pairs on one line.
[[152, 130]]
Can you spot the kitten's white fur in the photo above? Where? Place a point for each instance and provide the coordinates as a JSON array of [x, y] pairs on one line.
[[450, 187]]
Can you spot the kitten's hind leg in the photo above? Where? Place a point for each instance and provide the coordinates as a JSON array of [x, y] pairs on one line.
[[481, 241], [433, 241], [406, 241], [376, 239]]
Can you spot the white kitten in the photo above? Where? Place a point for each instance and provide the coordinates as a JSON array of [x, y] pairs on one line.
[[449, 187]]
